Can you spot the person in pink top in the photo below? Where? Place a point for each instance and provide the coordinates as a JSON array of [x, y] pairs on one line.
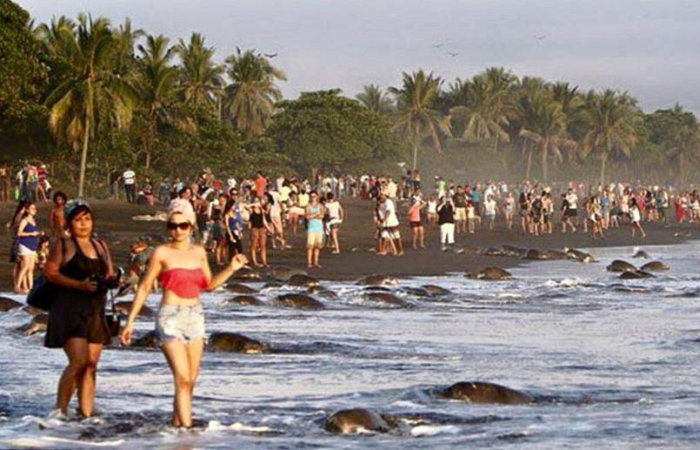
[[414, 219], [183, 270]]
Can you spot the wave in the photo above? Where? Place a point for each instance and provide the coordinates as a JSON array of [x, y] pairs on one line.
[[52, 441], [433, 430], [238, 427], [566, 282]]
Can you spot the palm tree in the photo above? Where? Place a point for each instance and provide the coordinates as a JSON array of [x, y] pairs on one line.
[[484, 105], [572, 104], [374, 99], [501, 87], [478, 115], [416, 117], [682, 137], [250, 98], [51, 33], [201, 78], [612, 118], [125, 41], [75, 104], [156, 86], [545, 126], [528, 89]]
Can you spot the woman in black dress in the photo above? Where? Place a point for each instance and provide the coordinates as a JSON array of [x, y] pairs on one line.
[[78, 266]]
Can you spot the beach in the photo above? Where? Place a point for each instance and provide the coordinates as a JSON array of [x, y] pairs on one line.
[[116, 226]]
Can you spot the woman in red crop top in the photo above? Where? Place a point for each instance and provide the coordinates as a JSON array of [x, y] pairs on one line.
[[184, 271]]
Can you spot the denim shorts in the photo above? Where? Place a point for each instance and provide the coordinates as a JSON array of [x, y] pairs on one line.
[[185, 323]]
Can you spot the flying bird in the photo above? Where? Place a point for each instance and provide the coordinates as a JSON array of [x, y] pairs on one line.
[[452, 54], [437, 45], [541, 37], [270, 55]]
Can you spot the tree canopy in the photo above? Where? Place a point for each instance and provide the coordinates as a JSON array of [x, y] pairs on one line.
[[89, 97], [22, 73], [325, 130]]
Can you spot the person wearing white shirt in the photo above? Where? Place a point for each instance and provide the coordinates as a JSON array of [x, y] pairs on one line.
[[129, 177], [391, 189], [336, 215], [390, 223]]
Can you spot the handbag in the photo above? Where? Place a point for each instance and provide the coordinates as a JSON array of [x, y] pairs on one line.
[[42, 294]]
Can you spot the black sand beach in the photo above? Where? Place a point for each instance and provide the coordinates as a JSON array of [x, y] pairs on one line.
[[115, 225]]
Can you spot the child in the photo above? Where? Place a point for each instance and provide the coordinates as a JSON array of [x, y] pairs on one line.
[[42, 252], [471, 216]]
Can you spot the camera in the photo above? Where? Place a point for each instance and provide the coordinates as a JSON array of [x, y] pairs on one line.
[[105, 284]]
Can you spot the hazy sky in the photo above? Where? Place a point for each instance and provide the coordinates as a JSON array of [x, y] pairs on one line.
[[649, 48]]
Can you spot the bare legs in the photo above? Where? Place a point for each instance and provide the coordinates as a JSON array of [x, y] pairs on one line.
[[24, 280], [638, 226], [258, 242], [418, 236], [312, 256], [567, 221], [334, 240], [278, 232], [81, 372], [184, 360]]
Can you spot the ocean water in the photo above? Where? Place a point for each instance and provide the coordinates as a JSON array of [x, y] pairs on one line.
[[611, 363]]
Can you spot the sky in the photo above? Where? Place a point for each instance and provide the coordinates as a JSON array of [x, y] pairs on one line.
[[649, 48]]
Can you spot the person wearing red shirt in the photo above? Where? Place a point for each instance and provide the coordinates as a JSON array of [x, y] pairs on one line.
[[260, 184]]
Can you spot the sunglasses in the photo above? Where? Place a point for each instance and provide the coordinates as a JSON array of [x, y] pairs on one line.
[[181, 225]]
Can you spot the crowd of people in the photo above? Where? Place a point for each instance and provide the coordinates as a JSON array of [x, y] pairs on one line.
[[259, 210], [269, 209], [257, 213], [30, 182], [211, 218], [468, 207]]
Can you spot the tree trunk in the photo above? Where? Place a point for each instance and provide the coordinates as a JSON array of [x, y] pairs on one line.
[[681, 167], [603, 160], [495, 145], [148, 141], [415, 156], [107, 180], [544, 162], [83, 157], [529, 161]]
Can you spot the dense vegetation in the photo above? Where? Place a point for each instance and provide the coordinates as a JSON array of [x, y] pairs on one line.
[[90, 97]]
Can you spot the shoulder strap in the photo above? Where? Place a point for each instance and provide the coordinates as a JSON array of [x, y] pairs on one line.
[[62, 242], [76, 245], [101, 249]]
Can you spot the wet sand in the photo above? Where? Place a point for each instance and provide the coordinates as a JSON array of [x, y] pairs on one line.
[[115, 225]]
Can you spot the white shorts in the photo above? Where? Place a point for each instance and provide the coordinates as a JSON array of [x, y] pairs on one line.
[[25, 251]]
